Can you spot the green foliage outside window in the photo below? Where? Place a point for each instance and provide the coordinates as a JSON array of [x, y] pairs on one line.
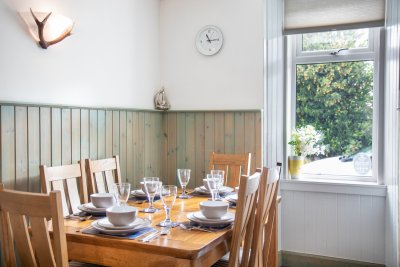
[[337, 99]]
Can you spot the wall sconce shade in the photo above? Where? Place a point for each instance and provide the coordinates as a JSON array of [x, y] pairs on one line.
[[47, 28]]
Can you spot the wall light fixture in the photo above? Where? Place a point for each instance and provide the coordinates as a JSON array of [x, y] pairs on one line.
[[47, 28]]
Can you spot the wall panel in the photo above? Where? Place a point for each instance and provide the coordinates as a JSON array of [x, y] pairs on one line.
[[347, 226], [192, 136], [149, 143]]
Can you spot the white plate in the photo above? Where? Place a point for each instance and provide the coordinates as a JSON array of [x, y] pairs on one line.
[[90, 206], [201, 222], [104, 230], [107, 224], [223, 190], [232, 198], [93, 212], [228, 217], [141, 193]]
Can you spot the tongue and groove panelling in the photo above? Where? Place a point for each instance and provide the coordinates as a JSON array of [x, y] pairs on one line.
[[149, 143]]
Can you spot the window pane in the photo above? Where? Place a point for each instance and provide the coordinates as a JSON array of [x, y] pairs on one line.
[[336, 40], [337, 99]]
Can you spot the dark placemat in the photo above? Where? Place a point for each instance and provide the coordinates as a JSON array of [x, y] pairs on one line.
[[92, 231]]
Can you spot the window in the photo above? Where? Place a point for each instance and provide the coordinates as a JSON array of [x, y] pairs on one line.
[[334, 77]]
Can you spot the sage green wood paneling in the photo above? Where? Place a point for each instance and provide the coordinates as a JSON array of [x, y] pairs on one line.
[[56, 136], [75, 135], [171, 152], [21, 148], [101, 134], [129, 149], [93, 134], [109, 133], [8, 146], [148, 143], [194, 135], [45, 136], [122, 143], [190, 153], [84, 133], [199, 172], [66, 136], [33, 148]]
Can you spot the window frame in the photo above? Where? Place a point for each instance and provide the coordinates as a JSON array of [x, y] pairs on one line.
[[295, 55]]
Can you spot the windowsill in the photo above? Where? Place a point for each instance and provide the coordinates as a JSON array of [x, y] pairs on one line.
[[334, 187]]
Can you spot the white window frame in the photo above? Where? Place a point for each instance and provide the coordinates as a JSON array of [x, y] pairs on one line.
[[373, 52]]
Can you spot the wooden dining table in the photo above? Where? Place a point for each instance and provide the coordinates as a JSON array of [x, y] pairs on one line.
[[180, 248]]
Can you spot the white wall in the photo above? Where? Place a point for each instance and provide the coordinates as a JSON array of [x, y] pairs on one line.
[[111, 60], [231, 79]]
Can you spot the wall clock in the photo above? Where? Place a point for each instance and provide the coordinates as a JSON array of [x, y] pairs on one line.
[[209, 40]]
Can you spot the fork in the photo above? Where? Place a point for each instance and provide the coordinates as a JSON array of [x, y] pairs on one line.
[[198, 228]]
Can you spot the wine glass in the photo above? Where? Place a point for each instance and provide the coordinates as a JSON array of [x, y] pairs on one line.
[[122, 191], [212, 184], [168, 198], [219, 175], [152, 187], [184, 177]]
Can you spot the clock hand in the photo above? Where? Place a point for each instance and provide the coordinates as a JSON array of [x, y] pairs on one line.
[[208, 38], [212, 40]]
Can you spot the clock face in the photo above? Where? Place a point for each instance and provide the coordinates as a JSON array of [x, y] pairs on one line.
[[209, 40]]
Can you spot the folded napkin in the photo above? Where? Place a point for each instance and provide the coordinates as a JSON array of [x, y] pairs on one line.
[[92, 231]]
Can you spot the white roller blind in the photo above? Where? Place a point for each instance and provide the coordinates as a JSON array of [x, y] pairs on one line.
[[302, 16]]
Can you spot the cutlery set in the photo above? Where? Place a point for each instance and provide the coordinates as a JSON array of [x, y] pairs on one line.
[[154, 235]]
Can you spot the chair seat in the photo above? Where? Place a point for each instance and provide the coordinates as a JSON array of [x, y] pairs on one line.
[[82, 264]]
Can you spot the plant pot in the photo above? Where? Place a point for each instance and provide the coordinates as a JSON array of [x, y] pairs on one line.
[[295, 164]]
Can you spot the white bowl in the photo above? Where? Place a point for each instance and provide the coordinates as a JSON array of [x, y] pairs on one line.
[[102, 200], [121, 215], [214, 209]]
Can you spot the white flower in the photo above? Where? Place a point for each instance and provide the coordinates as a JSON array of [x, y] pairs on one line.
[[307, 141]]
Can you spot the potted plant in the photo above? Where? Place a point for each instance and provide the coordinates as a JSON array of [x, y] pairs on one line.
[[305, 141]]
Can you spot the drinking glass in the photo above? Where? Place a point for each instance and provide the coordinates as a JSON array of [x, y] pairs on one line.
[[122, 191], [212, 183], [184, 177], [151, 187], [220, 176], [168, 198]]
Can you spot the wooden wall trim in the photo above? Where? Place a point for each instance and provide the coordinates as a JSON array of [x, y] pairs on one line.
[[149, 143]]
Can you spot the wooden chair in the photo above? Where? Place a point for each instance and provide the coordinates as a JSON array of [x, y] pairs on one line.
[[70, 180], [234, 165], [264, 247], [102, 174], [35, 249], [244, 223]]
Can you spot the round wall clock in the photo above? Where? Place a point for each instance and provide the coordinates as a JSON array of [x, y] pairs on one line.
[[209, 40]]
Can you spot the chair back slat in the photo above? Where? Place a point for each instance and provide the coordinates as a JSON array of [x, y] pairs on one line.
[[59, 185], [102, 174], [34, 247], [73, 194], [7, 242], [244, 220], [234, 165], [100, 185], [109, 180], [70, 180], [22, 240], [265, 218], [40, 238]]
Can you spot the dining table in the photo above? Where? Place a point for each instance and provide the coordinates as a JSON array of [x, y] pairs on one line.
[[179, 248]]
